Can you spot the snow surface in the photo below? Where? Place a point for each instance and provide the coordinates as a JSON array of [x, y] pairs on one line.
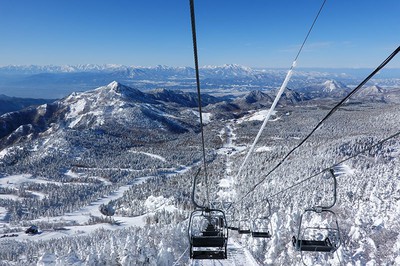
[[258, 116], [14, 181], [3, 153], [229, 149], [205, 116], [3, 213], [158, 157], [264, 149]]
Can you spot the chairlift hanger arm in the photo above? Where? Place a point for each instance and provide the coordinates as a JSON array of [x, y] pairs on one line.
[[319, 208], [194, 191], [196, 63]]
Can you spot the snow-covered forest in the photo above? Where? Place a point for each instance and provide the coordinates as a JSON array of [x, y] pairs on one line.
[[110, 184]]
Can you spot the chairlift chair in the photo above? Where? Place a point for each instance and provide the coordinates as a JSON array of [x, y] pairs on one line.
[[328, 237], [244, 226], [208, 234], [233, 225], [261, 227], [232, 219]]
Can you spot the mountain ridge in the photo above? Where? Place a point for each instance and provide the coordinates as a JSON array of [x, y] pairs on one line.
[[129, 108]]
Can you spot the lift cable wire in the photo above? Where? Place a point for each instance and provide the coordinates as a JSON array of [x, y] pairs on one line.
[[279, 94], [333, 110], [196, 63], [180, 257], [336, 164]]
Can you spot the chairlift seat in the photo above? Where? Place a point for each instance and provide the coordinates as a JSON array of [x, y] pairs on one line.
[[244, 231], [208, 241], [208, 254], [261, 234], [211, 233], [313, 245]]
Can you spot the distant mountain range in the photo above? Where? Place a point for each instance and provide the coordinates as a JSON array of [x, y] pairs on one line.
[[227, 70], [59, 81]]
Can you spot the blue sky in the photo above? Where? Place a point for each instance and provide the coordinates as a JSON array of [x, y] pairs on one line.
[[255, 33]]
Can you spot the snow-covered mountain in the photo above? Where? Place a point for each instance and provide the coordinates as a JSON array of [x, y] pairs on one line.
[[114, 108], [373, 94], [328, 88], [332, 85], [223, 71], [254, 100], [227, 71], [36, 69], [115, 102], [188, 99]]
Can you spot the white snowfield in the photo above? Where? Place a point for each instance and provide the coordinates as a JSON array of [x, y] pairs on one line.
[[258, 116], [3, 153], [14, 182], [206, 117]]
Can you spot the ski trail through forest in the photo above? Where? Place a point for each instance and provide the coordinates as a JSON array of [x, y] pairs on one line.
[[229, 148], [237, 254]]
